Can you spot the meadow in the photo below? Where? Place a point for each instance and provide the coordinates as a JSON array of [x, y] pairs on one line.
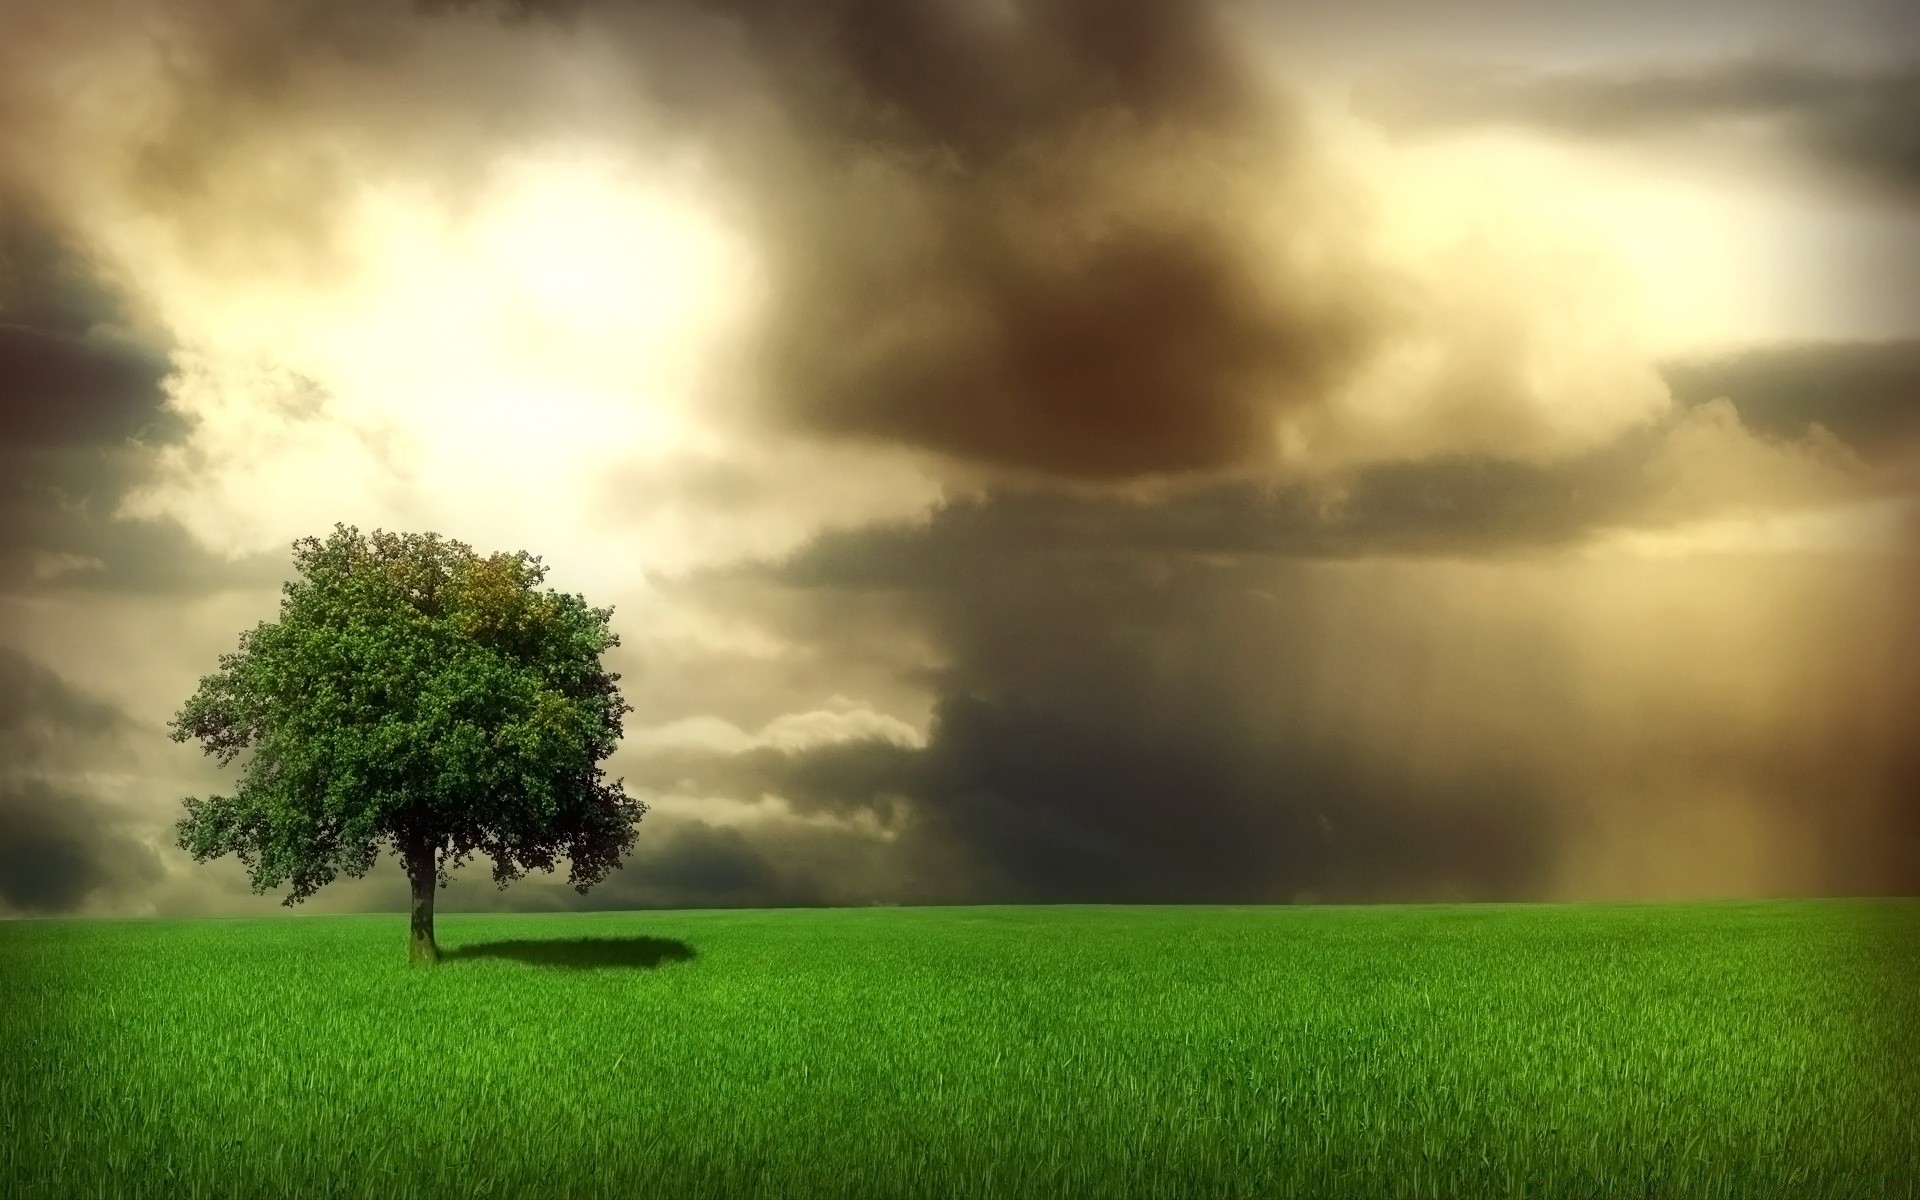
[[1725, 1049]]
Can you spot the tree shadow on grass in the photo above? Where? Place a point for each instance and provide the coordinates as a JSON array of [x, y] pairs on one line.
[[581, 953]]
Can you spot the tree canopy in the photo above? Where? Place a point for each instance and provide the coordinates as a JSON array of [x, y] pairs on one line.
[[417, 696]]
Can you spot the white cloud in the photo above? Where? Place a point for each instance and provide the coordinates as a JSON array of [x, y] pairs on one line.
[[846, 722]]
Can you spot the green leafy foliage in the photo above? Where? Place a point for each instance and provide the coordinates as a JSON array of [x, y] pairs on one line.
[[416, 695]]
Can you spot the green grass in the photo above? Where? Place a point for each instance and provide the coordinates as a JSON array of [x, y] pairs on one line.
[[1761, 1050]]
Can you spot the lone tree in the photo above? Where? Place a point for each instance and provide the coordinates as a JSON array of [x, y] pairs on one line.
[[415, 695]]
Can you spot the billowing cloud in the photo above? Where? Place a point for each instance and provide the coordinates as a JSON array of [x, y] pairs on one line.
[[1035, 237]]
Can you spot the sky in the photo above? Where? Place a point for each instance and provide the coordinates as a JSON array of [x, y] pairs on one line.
[[1035, 450]]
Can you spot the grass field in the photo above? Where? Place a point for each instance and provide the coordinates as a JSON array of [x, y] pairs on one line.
[[1759, 1050]]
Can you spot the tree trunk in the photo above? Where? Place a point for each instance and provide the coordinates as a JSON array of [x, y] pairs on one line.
[[423, 875]]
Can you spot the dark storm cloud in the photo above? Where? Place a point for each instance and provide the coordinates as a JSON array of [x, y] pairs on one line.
[[1071, 806], [1867, 393], [689, 864], [55, 851], [1145, 733], [1024, 238], [1448, 506], [1131, 716], [1469, 506], [38, 711], [71, 371], [58, 845], [58, 530], [1860, 124], [1122, 717], [82, 407], [57, 388], [702, 867]]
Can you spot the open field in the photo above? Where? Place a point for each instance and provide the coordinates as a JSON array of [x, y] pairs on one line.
[[1759, 1049]]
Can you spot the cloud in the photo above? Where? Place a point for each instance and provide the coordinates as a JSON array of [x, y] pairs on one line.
[[1065, 803], [55, 854], [38, 711], [73, 369], [787, 732], [60, 844], [76, 379], [1703, 463], [1204, 500], [84, 418], [1140, 724], [60, 530], [1867, 393], [1061, 764], [1456, 677], [1853, 124], [1445, 679], [1061, 239], [768, 863], [1099, 241]]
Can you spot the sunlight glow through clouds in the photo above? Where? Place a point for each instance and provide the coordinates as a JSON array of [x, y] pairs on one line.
[[1519, 315], [1691, 263], [471, 371]]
